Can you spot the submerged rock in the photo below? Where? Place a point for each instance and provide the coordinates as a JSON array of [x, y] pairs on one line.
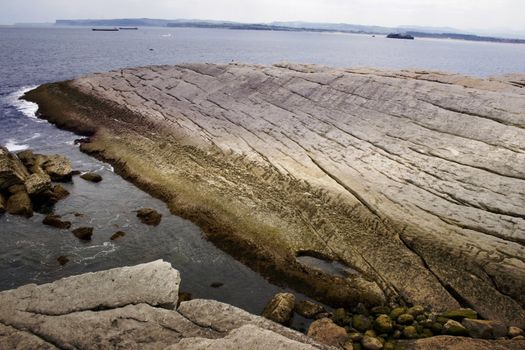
[[117, 235], [149, 216], [55, 221], [20, 204], [83, 233], [327, 332], [280, 308], [308, 309], [62, 260], [91, 177]]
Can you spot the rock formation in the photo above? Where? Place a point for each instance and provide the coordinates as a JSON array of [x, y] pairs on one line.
[[131, 308], [414, 179]]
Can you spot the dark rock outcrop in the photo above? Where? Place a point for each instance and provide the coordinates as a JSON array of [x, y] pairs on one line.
[[117, 235], [83, 233], [56, 221], [91, 177], [149, 216], [20, 204]]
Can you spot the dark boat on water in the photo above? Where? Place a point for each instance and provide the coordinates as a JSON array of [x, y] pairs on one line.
[[400, 36], [105, 29], [128, 28]]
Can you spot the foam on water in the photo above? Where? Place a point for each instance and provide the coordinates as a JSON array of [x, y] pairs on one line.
[[29, 109], [13, 146]]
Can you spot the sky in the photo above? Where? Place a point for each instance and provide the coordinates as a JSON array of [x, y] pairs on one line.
[[484, 15]]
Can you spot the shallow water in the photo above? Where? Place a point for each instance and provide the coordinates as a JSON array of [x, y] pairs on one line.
[[32, 56]]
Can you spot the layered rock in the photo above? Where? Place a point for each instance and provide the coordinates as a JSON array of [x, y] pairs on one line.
[[414, 179], [132, 308]]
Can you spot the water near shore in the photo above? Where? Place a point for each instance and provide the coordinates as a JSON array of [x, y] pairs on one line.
[[34, 56]]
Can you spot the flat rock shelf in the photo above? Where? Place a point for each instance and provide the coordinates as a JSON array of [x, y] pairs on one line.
[[414, 180]]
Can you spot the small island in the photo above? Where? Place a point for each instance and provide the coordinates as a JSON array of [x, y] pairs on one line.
[[400, 36]]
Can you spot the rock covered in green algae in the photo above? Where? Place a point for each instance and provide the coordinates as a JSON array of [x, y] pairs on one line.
[[383, 324], [459, 314], [361, 323]]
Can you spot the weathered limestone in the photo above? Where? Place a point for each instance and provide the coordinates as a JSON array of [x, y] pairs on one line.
[[414, 179]]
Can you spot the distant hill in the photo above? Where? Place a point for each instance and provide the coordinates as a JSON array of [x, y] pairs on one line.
[[416, 31]]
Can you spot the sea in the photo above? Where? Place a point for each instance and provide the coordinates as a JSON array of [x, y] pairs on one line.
[[33, 56]]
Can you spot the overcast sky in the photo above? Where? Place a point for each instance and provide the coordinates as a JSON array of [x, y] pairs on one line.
[[492, 15]]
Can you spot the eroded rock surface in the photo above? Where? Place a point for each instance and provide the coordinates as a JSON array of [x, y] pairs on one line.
[[131, 308], [414, 179]]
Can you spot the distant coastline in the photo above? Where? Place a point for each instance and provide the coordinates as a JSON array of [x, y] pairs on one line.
[[417, 32]]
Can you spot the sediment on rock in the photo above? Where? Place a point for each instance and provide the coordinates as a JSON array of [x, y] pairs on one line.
[[413, 179]]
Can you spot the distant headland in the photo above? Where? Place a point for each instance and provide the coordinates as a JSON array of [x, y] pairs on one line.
[[416, 32]]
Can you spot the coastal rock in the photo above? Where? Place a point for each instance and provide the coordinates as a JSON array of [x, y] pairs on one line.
[[361, 323], [20, 204], [412, 178], [371, 343], [454, 328], [327, 332], [280, 308], [308, 309], [383, 324], [91, 177], [149, 216], [117, 235], [59, 193], [12, 171], [55, 221], [83, 233], [58, 167], [37, 184], [485, 329], [459, 314]]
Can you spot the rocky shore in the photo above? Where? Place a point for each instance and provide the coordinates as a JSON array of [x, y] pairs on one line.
[[414, 180], [138, 308]]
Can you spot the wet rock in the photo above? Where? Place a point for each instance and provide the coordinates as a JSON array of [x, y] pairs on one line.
[[454, 328], [36, 184], [383, 324], [83, 233], [117, 235], [12, 171], [327, 332], [397, 311], [341, 317], [20, 204], [92, 177], [355, 337], [405, 319], [57, 167], [484, 329], [2, 204], [55, 221], [280, 308], [62, 260], [514, 332], [149, 216], [371, 343], [459, 314], [416, 310], [361, 323], [59, 193], [308, 309], [82, 140], [410, 332], [216, 284]]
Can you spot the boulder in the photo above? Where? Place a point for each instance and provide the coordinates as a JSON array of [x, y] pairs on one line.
[[397, 311], [410, 332], [514, 332], [484, 329], [28, 158], [454, 328], [149, 216], [117, 235], [361, 323], [371, 343], [20, 204], [12, 171], [405, 319], [91, 177], [55, 221], [83, 233], [57, 167], [280, 308], [36, 184], [327, 332], [416, 310], [59, 193], [383, 324], [308, 309]]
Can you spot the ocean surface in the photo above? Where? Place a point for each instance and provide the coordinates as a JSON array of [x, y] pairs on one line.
[[32, 56]]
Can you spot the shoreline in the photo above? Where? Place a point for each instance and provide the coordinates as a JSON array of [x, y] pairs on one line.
[[266, 217]]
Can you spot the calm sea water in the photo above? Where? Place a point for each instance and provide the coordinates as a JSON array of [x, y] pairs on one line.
[[32, 56]]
